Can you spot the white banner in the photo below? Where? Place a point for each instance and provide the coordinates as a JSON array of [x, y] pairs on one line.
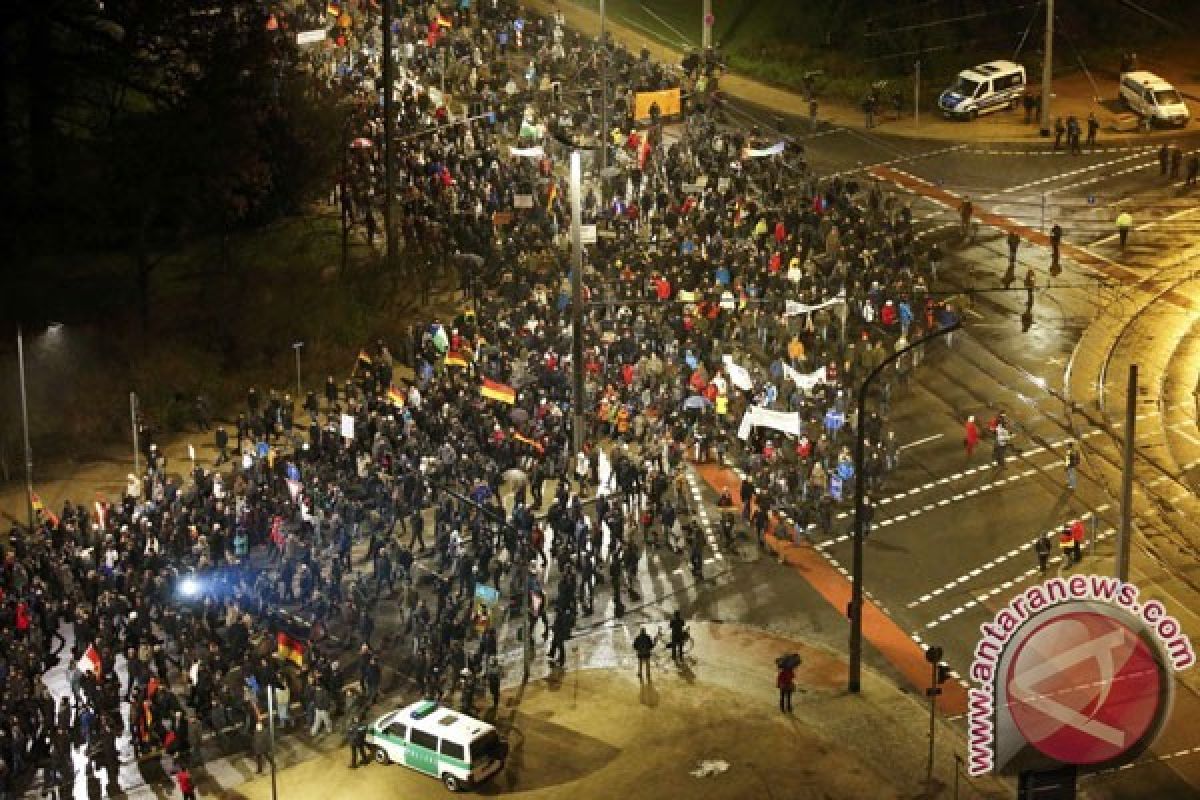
[[347, 426], [762, 152], [785, 421], [793, 307], [310, 37], [738, 375], [805, 382], [527, 152]]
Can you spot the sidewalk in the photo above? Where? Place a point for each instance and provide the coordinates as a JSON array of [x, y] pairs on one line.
[[1073, 94], [598, 733]]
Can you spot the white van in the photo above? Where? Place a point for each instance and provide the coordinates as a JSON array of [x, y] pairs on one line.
[[1152, 98], [438, 741], [982, 89]]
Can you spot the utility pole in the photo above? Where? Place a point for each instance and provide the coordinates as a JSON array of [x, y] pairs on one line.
[[706, 27], [917, 95], [137, 456], [1047, 68], [854, 681], [1127, 475], [271, 724], [577, 401], [389, 131], [603, 103], [25, 426], [297, 346]]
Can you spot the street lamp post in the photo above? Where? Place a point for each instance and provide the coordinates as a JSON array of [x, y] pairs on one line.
[[577, 401], [854, 681], [297, 346], [271, 726], [25, 426], [1047, 69]]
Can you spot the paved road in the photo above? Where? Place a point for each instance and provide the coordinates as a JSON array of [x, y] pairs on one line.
[[953, 538]]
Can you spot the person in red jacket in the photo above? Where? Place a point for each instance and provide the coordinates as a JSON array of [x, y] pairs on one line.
[[970, 436], [786, 682], [184, 778]]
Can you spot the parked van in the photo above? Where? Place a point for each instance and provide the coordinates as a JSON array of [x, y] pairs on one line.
[[1155, 100], [987, 87], [430, 738]]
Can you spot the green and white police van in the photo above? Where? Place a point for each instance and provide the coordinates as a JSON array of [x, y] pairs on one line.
[[438, 741]]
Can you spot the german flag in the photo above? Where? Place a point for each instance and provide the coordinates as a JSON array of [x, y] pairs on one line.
[[363, 361], [454, 358], [395, 396], [535, 444], [40, 509], [498, 391], [290, 649]]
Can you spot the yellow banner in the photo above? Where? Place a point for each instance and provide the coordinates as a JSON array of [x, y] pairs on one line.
[[668, 103]]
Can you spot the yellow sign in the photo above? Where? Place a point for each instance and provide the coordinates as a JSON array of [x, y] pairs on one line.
[[668, 103]]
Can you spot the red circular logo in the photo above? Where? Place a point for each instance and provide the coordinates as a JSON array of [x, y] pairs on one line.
[[1083, 688]]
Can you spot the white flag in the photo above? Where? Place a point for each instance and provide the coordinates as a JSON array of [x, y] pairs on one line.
[[738, 375], [793, 307], [786, 421], [760, 152], [805, 382], [527, 152]]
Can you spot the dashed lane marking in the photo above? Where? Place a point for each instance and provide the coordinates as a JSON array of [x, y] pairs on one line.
[[984, 596], [988, 565]]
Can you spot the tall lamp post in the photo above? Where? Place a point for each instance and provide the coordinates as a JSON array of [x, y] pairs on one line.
[[577, 401], [25, 426], [298, 346], [854, 681]]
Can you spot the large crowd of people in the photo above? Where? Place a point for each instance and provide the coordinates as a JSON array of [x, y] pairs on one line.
[[335, 549]]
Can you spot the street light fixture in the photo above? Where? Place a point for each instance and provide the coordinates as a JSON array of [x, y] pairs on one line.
[[25, 426], [297, 346], [854, 681]]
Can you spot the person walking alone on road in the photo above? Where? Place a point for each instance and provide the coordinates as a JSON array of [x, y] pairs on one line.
[[1066, 544], [1042, 549], [643, 645], [356, 737], [1055, 248], [970, 436], [965, 210], [183, 778], [1059, 130], [1014, 242], [1003, 438], [1124, 225], [786, 682], [1072, 465], [260, 746], [1078, 534], [1093, 128], [1164, 159], [678, 636]]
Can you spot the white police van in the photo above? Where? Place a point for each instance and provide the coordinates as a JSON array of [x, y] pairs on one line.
[[982, 89], [1153, 99], [430, 738]]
